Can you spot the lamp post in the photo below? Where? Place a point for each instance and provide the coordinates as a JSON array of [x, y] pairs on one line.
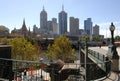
[[115, 57], [113, 47], [112, 50], [112, 28]]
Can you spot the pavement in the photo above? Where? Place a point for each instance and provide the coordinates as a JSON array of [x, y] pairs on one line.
[[111, 77]]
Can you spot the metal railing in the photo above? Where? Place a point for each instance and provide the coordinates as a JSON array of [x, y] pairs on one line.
[[21, 70]]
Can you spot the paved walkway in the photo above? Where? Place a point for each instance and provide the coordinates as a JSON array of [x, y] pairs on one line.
[[111, 77], [100, 50]]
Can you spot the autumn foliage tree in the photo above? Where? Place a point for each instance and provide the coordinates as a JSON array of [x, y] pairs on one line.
[[61, 49], [22, 49]]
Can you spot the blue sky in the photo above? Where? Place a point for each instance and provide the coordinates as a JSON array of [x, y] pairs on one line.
[[102, 12]]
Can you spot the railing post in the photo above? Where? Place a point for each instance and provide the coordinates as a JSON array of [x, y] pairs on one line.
[[86, 55], [10, 69]]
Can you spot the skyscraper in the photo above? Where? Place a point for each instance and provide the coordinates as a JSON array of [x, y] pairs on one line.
[[49, 26], [88, 26], [43, 20], [55, 25], [62, 22], [74, 26], [96, 30]]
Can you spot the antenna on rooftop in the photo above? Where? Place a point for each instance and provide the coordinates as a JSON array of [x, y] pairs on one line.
[[62, 7]]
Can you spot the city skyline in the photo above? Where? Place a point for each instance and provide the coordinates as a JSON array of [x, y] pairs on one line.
[[102, 12]]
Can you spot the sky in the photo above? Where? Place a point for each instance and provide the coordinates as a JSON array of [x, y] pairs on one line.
[[102, 12]]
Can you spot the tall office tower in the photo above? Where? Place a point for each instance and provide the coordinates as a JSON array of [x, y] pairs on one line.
[[43, 20], [62, 22], [88, 26], [74, 26], [49, 26], [55, 25], [96, 30]]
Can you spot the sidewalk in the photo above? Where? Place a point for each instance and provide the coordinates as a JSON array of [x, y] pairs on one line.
[[111, 77]]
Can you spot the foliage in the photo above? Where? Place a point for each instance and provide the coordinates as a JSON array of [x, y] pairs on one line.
[[117, 38], [61, 49], [97, 39], [30, 39], [4, 40], [94, 38], [22, 50], [85, 39]]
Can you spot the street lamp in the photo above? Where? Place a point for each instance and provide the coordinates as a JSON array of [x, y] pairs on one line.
[[112, 50], [112, 28], [113, 47]]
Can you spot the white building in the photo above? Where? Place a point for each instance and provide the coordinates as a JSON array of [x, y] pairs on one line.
[[74, 26], [55, 26]]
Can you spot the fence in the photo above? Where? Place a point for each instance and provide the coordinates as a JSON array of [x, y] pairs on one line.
[[32, 71]]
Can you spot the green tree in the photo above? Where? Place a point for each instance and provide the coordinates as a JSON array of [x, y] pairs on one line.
[[22, 49], [4, 40], [117, 38], [97, 39], [61, 49], [87, 38]]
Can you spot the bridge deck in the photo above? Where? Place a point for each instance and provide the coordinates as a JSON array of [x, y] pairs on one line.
[[106, 48], [99, 50]]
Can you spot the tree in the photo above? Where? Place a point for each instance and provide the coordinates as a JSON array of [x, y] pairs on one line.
[[87, 38], [4, 40], [61, 49], [22, 49], [117, 38], [97, 39]]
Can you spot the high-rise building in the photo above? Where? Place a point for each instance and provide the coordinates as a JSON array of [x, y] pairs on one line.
[[43, 20], [62, 22], [88, 26], [35, 30], [96, 30], [49, 26], [55, 25], [74, 26]]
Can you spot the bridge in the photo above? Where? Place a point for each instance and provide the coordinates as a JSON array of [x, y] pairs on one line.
[[93, 63]]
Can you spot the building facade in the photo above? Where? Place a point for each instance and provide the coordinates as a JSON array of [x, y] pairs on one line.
[[55, 25], [88, 26], [43, 20], [96, 30], [49, 26], [62, 22], [24, 30], [74, 26]]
